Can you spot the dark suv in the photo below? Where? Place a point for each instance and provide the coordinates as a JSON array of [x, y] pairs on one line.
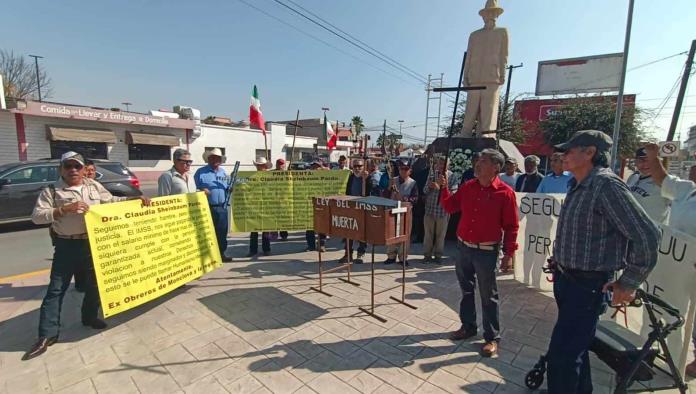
[[21, 183]]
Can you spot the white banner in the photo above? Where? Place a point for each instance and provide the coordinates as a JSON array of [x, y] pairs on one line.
[[673, 279]]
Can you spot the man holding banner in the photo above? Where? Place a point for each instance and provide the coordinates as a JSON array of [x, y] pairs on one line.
[[682, 194], [63, 205], [212, 180], [601, 229]]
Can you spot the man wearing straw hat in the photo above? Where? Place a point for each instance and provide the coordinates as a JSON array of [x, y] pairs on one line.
[[212, 180], [486, 60]]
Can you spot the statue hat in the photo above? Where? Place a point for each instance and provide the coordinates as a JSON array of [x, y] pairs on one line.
[[491, 7]]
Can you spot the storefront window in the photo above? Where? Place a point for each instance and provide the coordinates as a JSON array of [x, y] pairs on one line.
[[90, 150], [149, 152]]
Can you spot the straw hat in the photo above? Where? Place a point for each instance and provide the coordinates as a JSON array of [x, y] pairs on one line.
[[492, 8], [213, 152], [260, 161]]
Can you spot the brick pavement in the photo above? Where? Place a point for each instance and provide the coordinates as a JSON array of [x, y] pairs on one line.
[[254, 327]]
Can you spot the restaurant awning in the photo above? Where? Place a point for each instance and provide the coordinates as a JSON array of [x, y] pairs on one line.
[[80, 135], [151, 139]]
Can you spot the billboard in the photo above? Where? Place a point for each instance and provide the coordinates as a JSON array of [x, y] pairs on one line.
[[531, 112], [590, 74]]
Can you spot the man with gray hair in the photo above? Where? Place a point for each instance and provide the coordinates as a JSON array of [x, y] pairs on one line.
[[601, 230], [177, 179], [489, 223], [530, 180]]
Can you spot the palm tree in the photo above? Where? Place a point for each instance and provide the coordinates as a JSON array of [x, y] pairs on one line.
[[358, 126]]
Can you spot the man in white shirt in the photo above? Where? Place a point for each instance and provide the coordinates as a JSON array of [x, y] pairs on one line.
[[682, 193], [646, 191], [177, 180], [509, 176]]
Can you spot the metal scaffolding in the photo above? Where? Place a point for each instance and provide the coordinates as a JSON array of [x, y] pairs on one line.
[[433, 83]]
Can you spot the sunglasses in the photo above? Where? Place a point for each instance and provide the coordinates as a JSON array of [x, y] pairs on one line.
[[187, 162], [76, 166]]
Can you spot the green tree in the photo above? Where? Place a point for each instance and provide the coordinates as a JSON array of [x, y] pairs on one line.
[[591, 114], [358, 126], [392, 140]]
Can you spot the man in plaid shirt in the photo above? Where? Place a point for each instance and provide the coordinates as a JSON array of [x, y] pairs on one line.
[[436, 219]]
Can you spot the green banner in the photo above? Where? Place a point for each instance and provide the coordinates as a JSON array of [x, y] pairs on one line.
[[281, 200]]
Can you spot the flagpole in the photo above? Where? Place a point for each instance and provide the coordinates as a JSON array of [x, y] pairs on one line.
[[294, 136]]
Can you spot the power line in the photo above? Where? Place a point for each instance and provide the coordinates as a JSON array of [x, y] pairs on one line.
[[396, 65], [320, 40], [356, 39]]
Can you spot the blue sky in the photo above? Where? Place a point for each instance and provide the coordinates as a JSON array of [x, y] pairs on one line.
[[208, 54]]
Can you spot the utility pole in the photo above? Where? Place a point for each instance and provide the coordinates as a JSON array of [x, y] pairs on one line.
[[619, 100], [401, 122], [427, 109], [38, 78], [682, 92], [384, 138], [127, 104], [507, 94]]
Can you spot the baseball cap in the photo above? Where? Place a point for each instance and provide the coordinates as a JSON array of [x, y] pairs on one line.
[[74, 156], [594, 138], [511, 160], [404, 163]]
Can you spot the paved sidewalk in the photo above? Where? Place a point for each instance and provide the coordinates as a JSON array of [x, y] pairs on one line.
[[254, 326]]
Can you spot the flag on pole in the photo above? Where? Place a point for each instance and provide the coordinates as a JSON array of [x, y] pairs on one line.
[[255, 115], [331, 137]]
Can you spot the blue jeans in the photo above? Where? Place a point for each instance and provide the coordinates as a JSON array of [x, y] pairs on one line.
[[580, 303], [70, 256], [478, 265], [221, 224]]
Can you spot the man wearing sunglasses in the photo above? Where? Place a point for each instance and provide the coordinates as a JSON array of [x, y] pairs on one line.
[[63, 205], [177, 180]]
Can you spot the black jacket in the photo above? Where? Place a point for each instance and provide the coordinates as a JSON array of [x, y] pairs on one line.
[[368, 186], [531, 185]]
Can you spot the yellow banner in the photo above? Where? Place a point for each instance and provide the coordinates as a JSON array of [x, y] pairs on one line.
[[281, 200], [141, 253]]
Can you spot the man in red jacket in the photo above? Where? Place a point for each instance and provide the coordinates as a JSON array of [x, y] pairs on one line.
[[488, 216]]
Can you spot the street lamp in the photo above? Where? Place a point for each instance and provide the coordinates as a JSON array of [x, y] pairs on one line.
[[127, 104], [38, 80]]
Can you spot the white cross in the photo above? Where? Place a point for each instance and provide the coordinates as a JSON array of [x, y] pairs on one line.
[[398, 211]]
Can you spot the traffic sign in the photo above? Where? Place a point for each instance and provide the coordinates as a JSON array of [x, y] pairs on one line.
[[669, 148]]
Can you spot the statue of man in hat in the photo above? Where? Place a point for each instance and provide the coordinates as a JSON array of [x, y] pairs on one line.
[[485, 64]]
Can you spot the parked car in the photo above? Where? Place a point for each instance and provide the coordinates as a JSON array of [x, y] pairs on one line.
[[21, 183], [299, 166]]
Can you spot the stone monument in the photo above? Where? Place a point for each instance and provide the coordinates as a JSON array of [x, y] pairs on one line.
[[486, 60]]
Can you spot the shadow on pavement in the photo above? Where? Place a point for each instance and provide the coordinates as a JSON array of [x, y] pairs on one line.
[[20, 332], [19, 226], [262, 308]]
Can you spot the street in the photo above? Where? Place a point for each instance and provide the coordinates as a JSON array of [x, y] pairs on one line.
[[26, 248]]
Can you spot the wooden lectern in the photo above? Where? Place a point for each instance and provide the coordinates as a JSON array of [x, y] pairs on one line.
[[374, 220]]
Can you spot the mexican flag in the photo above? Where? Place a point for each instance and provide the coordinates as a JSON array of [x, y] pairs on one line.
[[255, 115], [331, 137]]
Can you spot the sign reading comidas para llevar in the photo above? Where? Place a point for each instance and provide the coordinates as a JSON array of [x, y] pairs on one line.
[[143, 252]]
